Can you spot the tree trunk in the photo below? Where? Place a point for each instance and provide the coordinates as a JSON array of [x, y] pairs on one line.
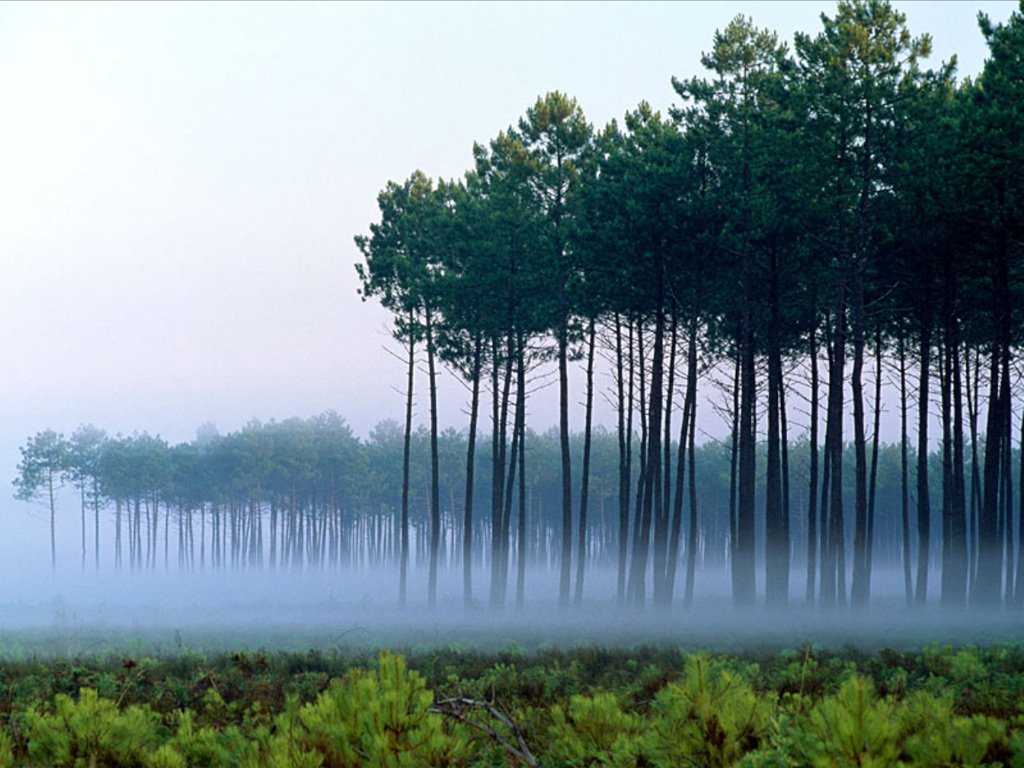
[[435, 481], [733, 472], [954, 554], [662, 520], [691, 544], [873, 478], [53, 519], [96, 521], [860, 589], [638, 557], [625, 435], [743, 585], [467, 519], [653, 508], [812, 501], [585, 479], [923, 505], [833, 576], [498, 458], [403, 573], [908, 579], [987, 591], [1006, 502], [776, 559], [686, 448], [1018, 593], [523, 541], [563, 440], [973, 388]]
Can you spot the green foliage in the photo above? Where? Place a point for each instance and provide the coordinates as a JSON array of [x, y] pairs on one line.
[[93, 732], [595, 732], [380, 718], [851, 728], [6, 750], [589, 707], [933, 736], [207, 747], [710, 718]]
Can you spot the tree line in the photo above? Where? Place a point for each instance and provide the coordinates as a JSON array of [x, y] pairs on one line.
[[803, 225], [307, 494]]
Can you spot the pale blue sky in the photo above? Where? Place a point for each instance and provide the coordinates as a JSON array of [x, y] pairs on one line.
[[180, 183]]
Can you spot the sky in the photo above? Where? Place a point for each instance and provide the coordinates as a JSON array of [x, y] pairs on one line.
[[180, 184]]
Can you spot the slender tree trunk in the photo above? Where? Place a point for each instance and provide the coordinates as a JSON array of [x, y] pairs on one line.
[[510, 484], [523, 541], [859, 594], [1018, 593], [117, 534], [499, 456], [435, 480], [733, 473], [1007, 490], [638, 557], [873, 477], [686, 448], [786, 517], [563, 440], [954, 555], [973, 388], [585, 479], [691, 391], [946, 406], [923, 502], [403, 574], [812, 501], [81, 489], [834, 575], [776, 559], [625, 435], [467, 520], [744, 584], [96, 521], [959, 522], [987, 591], [53, 519], [653, 507], [675, 533], [908, 579]]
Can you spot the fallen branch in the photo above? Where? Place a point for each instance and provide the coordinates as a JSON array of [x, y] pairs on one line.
[[456, 709]]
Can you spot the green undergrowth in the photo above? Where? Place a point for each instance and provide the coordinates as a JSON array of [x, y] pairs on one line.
[[654, 706]]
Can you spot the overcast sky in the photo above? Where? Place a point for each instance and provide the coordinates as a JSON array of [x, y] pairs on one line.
[[180, 183]]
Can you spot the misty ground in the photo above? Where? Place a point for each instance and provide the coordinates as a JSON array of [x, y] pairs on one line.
[[88, 614]]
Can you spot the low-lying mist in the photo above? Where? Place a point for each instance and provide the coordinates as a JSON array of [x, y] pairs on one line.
[[358, 611]]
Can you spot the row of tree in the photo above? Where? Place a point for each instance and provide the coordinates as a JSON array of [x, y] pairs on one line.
[[803, 222], [308, 494]]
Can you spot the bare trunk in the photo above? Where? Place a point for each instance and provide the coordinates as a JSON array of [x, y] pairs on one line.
[[581, 548]]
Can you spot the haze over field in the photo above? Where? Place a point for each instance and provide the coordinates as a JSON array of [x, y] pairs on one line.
[[182, 184]]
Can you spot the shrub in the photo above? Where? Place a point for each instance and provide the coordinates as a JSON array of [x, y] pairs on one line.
[[595, 732], [366, 719], [93, 732], [710, 718], [851, 729]]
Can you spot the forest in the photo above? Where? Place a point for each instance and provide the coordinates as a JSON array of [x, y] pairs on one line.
[[810, 239], [307, 494], [800, 226]]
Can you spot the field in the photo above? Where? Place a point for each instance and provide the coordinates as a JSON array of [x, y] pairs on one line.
[[310, 686]]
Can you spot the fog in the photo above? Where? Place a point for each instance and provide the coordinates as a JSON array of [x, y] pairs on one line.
[[356, 611], [77, 610]]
